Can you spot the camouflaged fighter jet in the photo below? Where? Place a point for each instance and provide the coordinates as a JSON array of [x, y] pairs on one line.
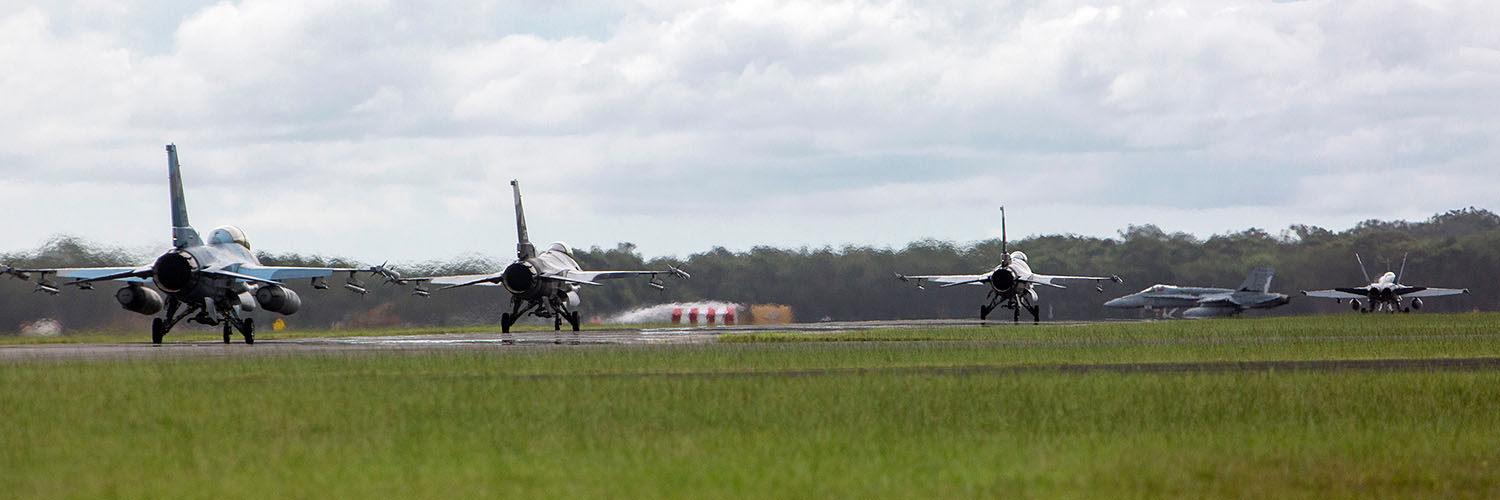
[[1384, 294], [215, 281], [542, 284], [1202, 302], [1011, 283]]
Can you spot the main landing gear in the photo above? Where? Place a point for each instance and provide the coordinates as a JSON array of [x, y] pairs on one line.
[[557, 311], [998, 300], [228, 316]]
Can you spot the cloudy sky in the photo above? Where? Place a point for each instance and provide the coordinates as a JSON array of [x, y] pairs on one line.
[[388, 130]]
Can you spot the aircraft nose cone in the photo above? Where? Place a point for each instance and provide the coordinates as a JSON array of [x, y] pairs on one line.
[[1120, 302]]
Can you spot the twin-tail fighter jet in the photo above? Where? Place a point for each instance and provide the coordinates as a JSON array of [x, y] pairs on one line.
[[1205, 302], [1011, 283], [1384, 294], [211, 282], [542, 284]]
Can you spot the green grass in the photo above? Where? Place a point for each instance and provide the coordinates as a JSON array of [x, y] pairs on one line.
[[470, 425], [779, 419]]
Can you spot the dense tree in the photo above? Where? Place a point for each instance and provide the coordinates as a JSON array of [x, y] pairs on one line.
[[1460, 248]]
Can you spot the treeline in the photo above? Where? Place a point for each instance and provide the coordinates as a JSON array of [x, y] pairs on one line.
[[1460, 248]]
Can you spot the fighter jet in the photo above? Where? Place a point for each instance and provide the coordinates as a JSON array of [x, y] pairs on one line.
[[211, 283], [1011, 283], [1201, 302], [542, 284], [1384, 294]]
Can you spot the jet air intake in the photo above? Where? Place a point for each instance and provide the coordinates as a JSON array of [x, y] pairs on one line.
[[1003, 280], [175, 271], [278, 299], [519, 278]]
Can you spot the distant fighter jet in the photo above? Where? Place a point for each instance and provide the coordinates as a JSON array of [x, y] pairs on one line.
[[1202, 302], [1011, 283], [217, 280], [1384, 294], [542, 284]]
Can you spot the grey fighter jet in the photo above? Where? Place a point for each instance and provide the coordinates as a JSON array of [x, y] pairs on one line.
[[1202, 302], [1384, 294], [542, 284], [210, 283], [1011, 283]]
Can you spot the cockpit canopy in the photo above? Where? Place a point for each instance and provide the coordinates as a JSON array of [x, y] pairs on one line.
[[1018, 255], [559, 246], [224, 235], [1158, 288]]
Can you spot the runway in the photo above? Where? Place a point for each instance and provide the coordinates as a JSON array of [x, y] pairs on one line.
[[547, 339], [440, 342]]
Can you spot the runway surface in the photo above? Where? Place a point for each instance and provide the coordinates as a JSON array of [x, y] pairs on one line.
[[706, 334], [455, 341]]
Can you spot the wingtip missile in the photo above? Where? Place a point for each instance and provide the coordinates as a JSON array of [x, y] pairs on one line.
[[678, 272], [387, 271]]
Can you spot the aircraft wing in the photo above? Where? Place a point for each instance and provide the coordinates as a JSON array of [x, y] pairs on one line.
[[459, 280], [1435, 292], [273, 274], [1338, 293], [1218, 300], [1047, 279], [279, 274], [81, 275], [947, 280], [590, 277]]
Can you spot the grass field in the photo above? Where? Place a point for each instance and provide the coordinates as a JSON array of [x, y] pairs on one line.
[[772, 419]]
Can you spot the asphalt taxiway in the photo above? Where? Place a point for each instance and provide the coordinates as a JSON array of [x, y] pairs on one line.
[[440, 342]]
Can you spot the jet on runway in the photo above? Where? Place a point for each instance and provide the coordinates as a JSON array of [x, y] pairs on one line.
[[542, 284], [1011, 283], [1202, 302], [1384, 294], [215, 281]]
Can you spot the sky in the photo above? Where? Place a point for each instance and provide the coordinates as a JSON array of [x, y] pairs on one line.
[[389, 130]]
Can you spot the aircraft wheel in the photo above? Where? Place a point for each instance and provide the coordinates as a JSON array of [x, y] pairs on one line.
[[249, 331], [505, 322], [575, 321], [557, 322], [228, 330], [158, 330], [984, 312], [1017, 318]]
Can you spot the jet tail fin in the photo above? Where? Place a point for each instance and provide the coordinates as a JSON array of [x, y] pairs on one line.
[[183, 234], [524, 249], [1362, 268], [1259, 280]]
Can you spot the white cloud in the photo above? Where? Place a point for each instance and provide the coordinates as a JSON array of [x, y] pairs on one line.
[[325, 123]]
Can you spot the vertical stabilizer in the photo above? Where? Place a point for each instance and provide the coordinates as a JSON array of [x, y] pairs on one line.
[[183, 234], [1402, 272], [524, 249], [1362, 268], [1004, 245], [1259, 280]]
